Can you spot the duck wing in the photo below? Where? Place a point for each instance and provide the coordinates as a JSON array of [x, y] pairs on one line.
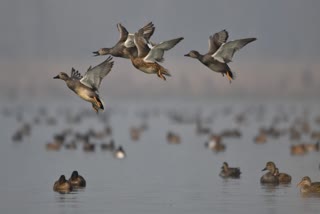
[[75, 74], [141, 44], [157, 51], [226, 51], [123, 33], [216, 40], [147, 32], [94, 76]]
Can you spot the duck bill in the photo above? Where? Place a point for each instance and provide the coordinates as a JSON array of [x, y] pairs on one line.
[[96, 53], [187, 55], [264, 169], [56, 77]]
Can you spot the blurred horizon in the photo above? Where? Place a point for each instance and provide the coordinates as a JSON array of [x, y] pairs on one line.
[[43, 38]]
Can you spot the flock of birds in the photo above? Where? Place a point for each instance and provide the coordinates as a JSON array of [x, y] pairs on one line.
[[145, 56], [281, 125]]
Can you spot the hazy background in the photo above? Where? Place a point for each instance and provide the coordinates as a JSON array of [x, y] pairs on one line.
[[40, 38]]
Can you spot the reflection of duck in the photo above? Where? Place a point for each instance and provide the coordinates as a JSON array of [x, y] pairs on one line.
[[62, 185], [284, 178], [269, 177], [77, 180], [306, 186], [228, 172]]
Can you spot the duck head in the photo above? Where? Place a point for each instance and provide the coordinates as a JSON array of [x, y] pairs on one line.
[[193, 54], [270, 166], [101, 51], [62, 76], [62, 179], [305, 181], [74, 175], [225, 166]]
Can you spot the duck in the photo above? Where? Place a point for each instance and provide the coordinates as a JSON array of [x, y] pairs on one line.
[[135, 133], [215, 143], [119, 153], [87, 87], [108, 146], [269, 177], [146, 60], [312, 146], [298, 149], [284, 178], [260, 138], [71, 146], [173, 138], [54, 146], [88, 147], [76, 180], [62, 185], [125, 42], [228, 172], [220, 53], [306, 186]]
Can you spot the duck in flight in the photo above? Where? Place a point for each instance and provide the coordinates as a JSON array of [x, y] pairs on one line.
[[150, 54], [87, 86], [126, 42], [220, 53]]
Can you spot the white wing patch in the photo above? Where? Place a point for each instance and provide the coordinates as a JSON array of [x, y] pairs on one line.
[[216, 55]]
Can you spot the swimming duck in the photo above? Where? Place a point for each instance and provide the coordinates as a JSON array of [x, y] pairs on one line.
[[135, 133], [284, 178], [77, 180], [147, 58], [215, 143], [87, 86], [228, 172], [312, 146], [173, 138], [62, 185], [220, 53], [306, 186], [260, 138], [88, 147], [298, 149], [119, 153], [269, 177], [71, 146], [125, 42], [107, 146]]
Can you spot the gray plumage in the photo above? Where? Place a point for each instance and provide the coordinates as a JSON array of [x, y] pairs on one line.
[[220, 53], [87, 87], [125, 45], [229, 172]]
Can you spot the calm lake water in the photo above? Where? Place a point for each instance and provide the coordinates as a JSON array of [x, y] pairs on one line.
[[156, 177]]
